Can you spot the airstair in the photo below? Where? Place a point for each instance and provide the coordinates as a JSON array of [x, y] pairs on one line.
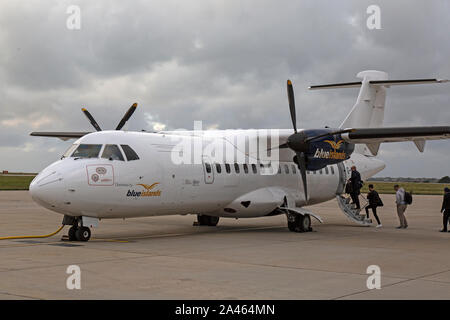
[[351, 212]]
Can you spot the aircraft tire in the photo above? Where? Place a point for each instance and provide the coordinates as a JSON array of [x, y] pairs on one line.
[[83, 234], [291, 226], [304, 223], [72, 233], [300, 224]]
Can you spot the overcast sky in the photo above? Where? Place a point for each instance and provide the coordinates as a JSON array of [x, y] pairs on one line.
[[224, 62]]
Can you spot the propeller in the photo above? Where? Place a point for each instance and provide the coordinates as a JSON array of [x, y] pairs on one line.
[[299, 141], [122, 122], [127, 116], [91, 119]]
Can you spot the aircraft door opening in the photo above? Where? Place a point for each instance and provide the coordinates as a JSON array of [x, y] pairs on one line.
[[208, 170]]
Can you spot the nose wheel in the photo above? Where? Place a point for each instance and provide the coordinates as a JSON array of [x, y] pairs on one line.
[[77, 233]]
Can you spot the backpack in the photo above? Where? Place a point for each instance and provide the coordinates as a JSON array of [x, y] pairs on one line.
[[408, 197]]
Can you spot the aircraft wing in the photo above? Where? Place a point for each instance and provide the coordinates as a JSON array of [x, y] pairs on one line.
[[61, 135], [372, 137]]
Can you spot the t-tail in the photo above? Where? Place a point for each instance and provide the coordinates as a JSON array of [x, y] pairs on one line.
[[368, 113]]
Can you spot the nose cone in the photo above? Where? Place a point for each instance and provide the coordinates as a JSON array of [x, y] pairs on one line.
[[47, 189]]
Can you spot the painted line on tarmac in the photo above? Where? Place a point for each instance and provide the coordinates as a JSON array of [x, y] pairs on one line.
[[168, 235], [15, 244]]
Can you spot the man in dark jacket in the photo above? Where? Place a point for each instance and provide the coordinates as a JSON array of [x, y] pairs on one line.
[[356, 183], [374, 202], [446, 208]]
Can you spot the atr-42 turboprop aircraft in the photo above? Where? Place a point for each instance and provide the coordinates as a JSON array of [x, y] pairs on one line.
[[120, 174]]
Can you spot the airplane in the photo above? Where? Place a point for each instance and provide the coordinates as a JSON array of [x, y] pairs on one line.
[[109, 174]]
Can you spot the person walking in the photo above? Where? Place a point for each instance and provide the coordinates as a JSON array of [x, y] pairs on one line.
[[446, 209], [374, 202], [401, 206], [356, 184]]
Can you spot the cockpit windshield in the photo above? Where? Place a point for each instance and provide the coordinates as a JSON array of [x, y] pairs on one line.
[[112, 152], [69, 151], [87, 151]]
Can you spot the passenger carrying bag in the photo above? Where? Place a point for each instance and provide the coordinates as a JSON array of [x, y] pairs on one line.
[[408, 197]]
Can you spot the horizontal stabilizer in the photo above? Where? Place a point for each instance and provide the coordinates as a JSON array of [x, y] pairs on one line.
[[386, 83], [61, 135], [397, 134]]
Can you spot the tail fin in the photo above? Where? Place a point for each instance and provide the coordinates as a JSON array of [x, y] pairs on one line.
[[368, 111]]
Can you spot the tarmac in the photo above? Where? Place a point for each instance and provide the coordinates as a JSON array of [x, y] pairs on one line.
[[169, 258]]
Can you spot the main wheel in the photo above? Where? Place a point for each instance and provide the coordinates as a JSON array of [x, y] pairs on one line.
[[72, 235], [291, 226], [300, 223], [305, 223], [83, 234]]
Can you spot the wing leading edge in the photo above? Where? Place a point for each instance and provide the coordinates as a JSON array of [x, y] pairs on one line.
[[61, 135]]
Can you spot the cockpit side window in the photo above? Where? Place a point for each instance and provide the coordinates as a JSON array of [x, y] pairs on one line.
[[112, 152], [69, 151], [86, 151], [129, 152]]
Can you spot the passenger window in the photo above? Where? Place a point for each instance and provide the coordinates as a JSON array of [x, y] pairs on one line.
[[320, 171], [87, 151], [227, 167], [236, 168], [326, 170], [129, 152], [315, 172], [293, 169], [286, 169], [218, 168], [112, 152], [207, 167], [245, 168], [332, 170], [254, 169]]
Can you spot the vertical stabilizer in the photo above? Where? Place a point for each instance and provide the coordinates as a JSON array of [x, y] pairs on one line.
[[368, 111]]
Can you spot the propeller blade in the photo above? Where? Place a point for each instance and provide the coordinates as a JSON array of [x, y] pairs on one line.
[[91, 119], [329, 134], [290, 92], [127, 116], [301, 162]]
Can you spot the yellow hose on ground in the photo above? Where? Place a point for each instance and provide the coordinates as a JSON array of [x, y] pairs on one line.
[[30, 237]]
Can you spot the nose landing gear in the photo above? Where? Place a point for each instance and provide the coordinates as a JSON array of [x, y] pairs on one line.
[[77, 232]]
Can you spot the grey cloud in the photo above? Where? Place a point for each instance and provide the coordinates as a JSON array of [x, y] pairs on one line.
[[223, 62]]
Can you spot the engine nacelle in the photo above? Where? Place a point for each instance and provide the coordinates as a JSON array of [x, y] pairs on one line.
[[326, 150]]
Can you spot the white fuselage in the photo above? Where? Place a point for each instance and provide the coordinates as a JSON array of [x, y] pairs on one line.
[[154, 185]]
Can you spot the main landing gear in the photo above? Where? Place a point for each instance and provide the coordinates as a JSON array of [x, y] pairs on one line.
[[204, 220], [299, 223]]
